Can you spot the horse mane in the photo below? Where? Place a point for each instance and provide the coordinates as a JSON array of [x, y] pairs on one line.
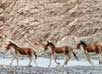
[[51, 44], [12, 43], [82, 42]]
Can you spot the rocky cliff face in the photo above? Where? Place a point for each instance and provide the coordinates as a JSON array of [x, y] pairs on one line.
[[52, 20]]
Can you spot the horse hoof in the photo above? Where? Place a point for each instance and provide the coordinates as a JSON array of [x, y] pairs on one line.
[[58, 63], [10, 64], [48, 65], [100, 62], [90, 62], [30, 65], [63, 65]]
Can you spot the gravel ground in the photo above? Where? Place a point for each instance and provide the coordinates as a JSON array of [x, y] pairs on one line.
[[59, 70]]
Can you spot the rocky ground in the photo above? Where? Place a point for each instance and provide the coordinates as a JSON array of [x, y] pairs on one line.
[[59, 70]]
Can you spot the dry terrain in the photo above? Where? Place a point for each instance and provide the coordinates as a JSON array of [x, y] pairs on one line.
[[59, 21], [53, 20], [60, 70]]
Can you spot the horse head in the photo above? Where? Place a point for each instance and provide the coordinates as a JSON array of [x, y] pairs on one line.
[[49, 44], [46, 45], [8, 45], [81, 43]]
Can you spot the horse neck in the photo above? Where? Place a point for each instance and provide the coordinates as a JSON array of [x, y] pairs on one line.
[[84, 46], [15, 46]]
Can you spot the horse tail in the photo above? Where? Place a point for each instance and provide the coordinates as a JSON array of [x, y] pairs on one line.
[[75, 55], [35, 54]]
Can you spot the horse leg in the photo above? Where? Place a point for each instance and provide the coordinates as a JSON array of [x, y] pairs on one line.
[[50, 60], [99, 56], [12, 61], [86, 53], [88, 57], [17, 58], [30, 60], [34, 54], [55, 57], [35, 62], [14, 57], [67, 57]]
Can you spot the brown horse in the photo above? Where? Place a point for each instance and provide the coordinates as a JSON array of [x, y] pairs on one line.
[[96, 47], [21, 51], [56, 50]]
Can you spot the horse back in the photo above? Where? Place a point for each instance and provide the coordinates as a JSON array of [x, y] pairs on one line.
[[93, 48], [63, 49], [25, 51]]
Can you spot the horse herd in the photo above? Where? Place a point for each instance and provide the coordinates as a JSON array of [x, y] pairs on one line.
[[66, 50]]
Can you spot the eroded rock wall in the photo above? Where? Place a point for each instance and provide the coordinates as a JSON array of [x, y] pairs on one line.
[[51, 20]]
